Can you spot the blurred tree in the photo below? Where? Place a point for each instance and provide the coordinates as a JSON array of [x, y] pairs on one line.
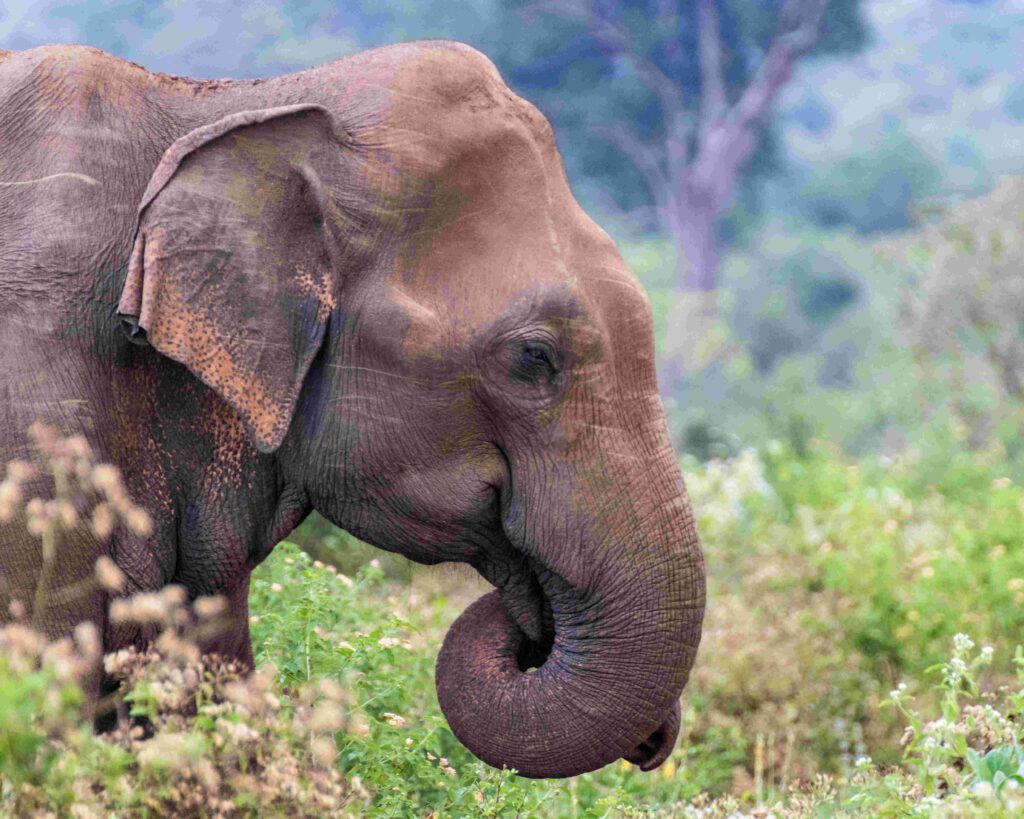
[[963, 309], [878, 187], [687, 90]]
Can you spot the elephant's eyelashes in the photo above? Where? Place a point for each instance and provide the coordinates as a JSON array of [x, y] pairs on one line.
[[536, 361]]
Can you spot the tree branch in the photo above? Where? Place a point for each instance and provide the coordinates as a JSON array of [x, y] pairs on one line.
[[619, 39], [799, 25], [644, 157], [709, 50]]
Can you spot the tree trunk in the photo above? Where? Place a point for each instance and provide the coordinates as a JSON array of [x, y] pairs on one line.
[[691, 340]]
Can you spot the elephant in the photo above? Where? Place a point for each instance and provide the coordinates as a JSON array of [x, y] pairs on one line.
[[364, 289]]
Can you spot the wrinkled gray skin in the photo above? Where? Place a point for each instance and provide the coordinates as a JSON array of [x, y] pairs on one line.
[[363, 289]]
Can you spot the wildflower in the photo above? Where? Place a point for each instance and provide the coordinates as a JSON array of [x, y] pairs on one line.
[[78, 447], [358, 726], [87, 639], [324, 750], [102, 521], [331, 569], [276, 587], [174, 595], [962, 643], [254, 619], [106, 478], [388, 642], [318, 564], [986, 654], [10, 492], [345, 580], [443, 762], [330, 689], [430, 756], [326, 717], [138, 521], [146, 607], [449, 771], [238, 732], [65, 512], [356, 784], [375, 563], [408, 742], [21, 471], [110, 577], [345, 645], [393, 719], [210, 606]]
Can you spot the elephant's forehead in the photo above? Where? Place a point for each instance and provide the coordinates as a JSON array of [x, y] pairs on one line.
[[471, 176]]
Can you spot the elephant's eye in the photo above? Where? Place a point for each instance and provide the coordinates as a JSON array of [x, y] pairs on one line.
[[537, 361], [536, 355]]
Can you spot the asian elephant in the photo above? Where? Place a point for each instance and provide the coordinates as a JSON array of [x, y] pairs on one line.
[[363, 289]]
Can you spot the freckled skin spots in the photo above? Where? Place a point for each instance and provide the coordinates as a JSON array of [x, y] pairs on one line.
[[366, 289]]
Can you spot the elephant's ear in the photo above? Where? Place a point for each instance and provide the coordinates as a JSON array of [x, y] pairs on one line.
[[231, 269]]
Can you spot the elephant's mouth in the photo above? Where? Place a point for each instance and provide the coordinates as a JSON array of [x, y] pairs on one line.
[[530, 609], [530, 594]]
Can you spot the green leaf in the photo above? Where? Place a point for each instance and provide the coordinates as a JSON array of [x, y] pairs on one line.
[[978, 765]]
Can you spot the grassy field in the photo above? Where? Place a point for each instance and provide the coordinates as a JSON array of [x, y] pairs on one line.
[[859, 659]]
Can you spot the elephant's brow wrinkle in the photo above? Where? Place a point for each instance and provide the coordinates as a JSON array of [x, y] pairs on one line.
[[369, 370], [622, 282], [81, 177]]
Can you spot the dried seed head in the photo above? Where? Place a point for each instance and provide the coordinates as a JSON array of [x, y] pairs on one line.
[[106, 478], [206, 608], [110, 577], [103, 521], [139, 521]]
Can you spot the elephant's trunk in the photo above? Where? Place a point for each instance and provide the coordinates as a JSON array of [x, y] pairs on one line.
[[625, 634]]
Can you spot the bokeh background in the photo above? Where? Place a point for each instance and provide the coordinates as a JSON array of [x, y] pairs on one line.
[[823, 199], [784, 311]]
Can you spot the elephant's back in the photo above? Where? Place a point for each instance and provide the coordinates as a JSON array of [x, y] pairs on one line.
[[81, 132]]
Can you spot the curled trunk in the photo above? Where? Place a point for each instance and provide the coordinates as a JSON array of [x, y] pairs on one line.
[[618, 655]]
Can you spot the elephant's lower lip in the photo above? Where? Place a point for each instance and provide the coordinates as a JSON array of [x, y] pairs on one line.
[[529, 607], [654, 750]]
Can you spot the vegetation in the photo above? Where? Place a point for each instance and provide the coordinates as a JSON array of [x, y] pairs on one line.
[[836, 676]]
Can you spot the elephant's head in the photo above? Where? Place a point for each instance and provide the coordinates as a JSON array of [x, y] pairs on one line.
[[402, 300]]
